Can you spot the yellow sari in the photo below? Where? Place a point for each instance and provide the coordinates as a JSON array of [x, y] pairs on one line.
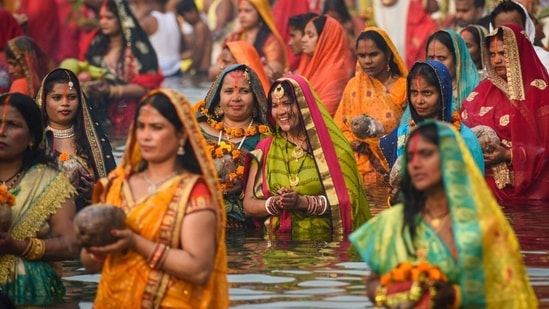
[[126, 280], [367, 95]]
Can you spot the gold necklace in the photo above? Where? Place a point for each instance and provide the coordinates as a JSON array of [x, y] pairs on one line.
[[293, 179], [437, 222], [11, 181]]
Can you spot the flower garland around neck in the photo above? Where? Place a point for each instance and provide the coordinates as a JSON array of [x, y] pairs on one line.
[[64, 156], [228, 151], [234, 132], [456, 121]]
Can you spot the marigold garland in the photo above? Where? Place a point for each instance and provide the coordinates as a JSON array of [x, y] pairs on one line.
[[6, 197], [233, 132], [405, 271], [217, 151]]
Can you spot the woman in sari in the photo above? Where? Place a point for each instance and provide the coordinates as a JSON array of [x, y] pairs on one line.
[[73, 134], [303, 181], [257, 27], [473, 36], [172, 252], [233, 118], [326, 60], [240, 52], [27, 65], [429, 97], [450, 220], [513, 102], [378, 90], [121, 50], [37, 208]]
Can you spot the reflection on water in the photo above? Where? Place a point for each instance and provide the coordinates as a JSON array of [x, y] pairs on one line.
[[289, 274]]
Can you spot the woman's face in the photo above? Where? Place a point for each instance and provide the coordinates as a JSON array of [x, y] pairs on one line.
[[156, 136], [286, 114], [497, 57], [108, 22], [425, 98], [236, 97], [15, 69], [15, 136], [61, 106], [371, 59], [439, 52], [248, 17], [309, 39], [423, 163], [472, 46]]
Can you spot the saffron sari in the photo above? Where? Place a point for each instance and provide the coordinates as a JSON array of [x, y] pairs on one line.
[[488, 268], [330, 66], [139, 66], [330, 171], [393, 144], [517, 109], [40, 193], [233, 203], [367, 95], [127, 281], [274, 48]]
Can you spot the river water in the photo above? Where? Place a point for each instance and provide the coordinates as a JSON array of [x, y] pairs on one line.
[[290, 274]]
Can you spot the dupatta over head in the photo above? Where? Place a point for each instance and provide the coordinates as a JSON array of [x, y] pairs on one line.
[[102, 158], [327, 68], [333, 158], [516, 109], [489, 267], [245, 53], [156, 212]]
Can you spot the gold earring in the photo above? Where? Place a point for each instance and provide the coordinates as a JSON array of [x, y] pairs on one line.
[[218, 111], [181, 149]]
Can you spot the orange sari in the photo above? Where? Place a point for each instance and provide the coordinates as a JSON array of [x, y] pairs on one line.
[[127, 281], [328, 69], [245, 53], [367, 95]]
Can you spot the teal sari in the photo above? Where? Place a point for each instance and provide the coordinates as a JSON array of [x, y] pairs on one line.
[[488, 268]]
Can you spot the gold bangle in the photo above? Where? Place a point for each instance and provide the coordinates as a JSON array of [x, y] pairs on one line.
[[37, 250], [457, 296], [27, 249], [381, 296]]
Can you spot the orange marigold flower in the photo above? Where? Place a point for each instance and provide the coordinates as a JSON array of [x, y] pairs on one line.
[[263, 129], [64, 157], [385, 279], [238, 132], [217, 125], [399, 275], [415, 274], [251, 131], [435, 274], [240, 170], [6, 197], [423, 266], [219, 153], [236, 154], [232, 176]]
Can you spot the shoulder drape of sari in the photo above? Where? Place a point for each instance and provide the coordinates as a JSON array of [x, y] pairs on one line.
[[366, 95], [245, 53], [40, 193], [9, 29], [327, 68], [489, 267], [43, 24], [518, 111], [127, 281], [330, 170]]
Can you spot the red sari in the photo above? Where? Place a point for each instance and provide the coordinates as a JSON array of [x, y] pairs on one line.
[[518, 110]]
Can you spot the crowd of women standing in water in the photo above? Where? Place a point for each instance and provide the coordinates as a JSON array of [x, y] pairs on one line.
[[304, 156]]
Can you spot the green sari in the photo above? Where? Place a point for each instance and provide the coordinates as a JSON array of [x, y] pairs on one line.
[[488, 268], [40, 193]]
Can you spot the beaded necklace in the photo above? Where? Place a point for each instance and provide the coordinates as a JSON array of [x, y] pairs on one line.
[[62, 134]]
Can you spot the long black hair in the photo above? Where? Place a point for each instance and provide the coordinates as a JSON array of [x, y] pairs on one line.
[[382, 45], [413, 199]]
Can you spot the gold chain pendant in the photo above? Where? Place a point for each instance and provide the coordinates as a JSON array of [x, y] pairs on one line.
[[294, 181], [297, 153]]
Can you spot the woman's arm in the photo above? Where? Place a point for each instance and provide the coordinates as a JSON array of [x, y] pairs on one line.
[[63, 244], [253, 207]]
